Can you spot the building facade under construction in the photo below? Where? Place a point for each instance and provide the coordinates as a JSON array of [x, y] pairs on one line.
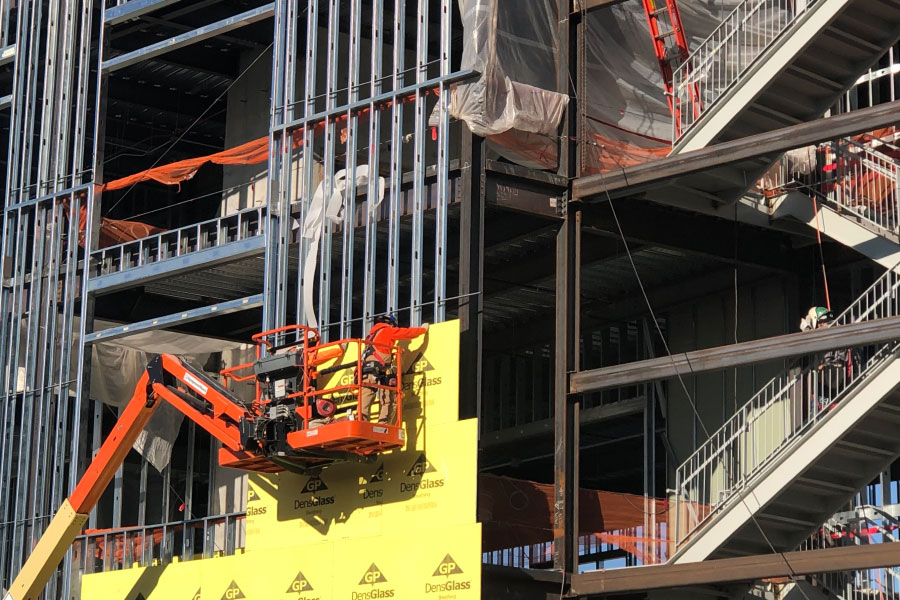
[[648, 252]]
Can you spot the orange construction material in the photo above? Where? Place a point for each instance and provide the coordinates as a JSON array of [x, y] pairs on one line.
[[649, 550], [515, 512], [251, 153], [115, 231], [601, 153], [670, 46]]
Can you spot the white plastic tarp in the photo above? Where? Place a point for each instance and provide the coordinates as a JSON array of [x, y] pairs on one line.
[[624, 112], [515, 53], [328, 205], [117, 365], [626, 102]]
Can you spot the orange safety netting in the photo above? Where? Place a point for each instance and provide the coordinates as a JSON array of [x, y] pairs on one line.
[[649, 550], [113, 545], [606, 154], [601, 153], [114, 231], [515, 512], [251, 153]]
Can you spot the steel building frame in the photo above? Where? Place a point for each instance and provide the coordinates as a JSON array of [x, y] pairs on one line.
[[347, 100], [54, 269]]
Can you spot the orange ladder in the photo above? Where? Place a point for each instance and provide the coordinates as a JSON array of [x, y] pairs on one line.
[[671, 48]]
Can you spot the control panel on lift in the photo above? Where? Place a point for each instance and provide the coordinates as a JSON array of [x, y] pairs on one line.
[[298, 422]]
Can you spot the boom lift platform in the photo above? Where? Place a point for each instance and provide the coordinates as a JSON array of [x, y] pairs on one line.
[[290, 425]]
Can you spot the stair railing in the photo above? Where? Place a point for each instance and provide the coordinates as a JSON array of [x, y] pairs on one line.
[[778, 415], [853, 177], [722, 58]]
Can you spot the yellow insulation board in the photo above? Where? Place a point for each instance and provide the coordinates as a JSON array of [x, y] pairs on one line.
[[402, 526]]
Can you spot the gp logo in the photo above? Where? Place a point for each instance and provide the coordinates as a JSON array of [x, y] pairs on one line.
[[300, 584], [447, 567], [372, 576], [314, 485], [233, 592], [420, 467]]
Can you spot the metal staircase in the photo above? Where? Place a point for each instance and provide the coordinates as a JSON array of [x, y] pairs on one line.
[[773, 63], [857, 197], [797, 451]]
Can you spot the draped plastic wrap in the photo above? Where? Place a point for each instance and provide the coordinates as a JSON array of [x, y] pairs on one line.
[[117, 365], [515, 52], [626, 115], [625, 118]]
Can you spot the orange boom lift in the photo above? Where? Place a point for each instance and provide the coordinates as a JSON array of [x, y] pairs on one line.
[[290, 425]]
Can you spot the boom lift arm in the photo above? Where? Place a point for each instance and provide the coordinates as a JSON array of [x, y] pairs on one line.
[[220, 417], [277, 431]]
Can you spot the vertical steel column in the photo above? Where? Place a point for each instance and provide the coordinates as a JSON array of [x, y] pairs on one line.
[[396, 170], [371, 239], [308, 137], [349, 225], [471, 274], [418, 219], [568, 256], [278, 217], [331, 68], [649, 444], [566, 407], [443, 171]]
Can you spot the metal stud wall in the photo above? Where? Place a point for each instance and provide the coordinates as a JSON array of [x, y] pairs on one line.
[[359, 87], [47, 191], [355, 107]]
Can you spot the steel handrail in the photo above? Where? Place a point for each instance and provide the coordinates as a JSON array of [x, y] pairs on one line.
[[710, 478], [722, 58], [859, 180], [238, 226]]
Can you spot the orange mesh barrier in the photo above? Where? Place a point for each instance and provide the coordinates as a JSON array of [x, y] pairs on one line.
[[515, 512], [605, 154], [251, 153], [649, 550], [115, 231], [601, 153], [114, 544]]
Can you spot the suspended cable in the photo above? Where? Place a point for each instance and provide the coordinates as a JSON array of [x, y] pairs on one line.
[[197, 120], [821, 252]]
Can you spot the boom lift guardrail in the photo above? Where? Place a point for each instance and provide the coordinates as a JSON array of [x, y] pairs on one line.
[[275, 432]]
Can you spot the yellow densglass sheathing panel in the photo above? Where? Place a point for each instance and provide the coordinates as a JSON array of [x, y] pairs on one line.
[[402, 526], [401, 492]]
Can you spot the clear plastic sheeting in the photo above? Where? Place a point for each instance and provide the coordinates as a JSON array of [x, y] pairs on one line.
[[515, 50], [626, 114]]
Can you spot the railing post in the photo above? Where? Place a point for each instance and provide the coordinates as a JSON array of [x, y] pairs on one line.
[[895, 214], [678, 492]]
